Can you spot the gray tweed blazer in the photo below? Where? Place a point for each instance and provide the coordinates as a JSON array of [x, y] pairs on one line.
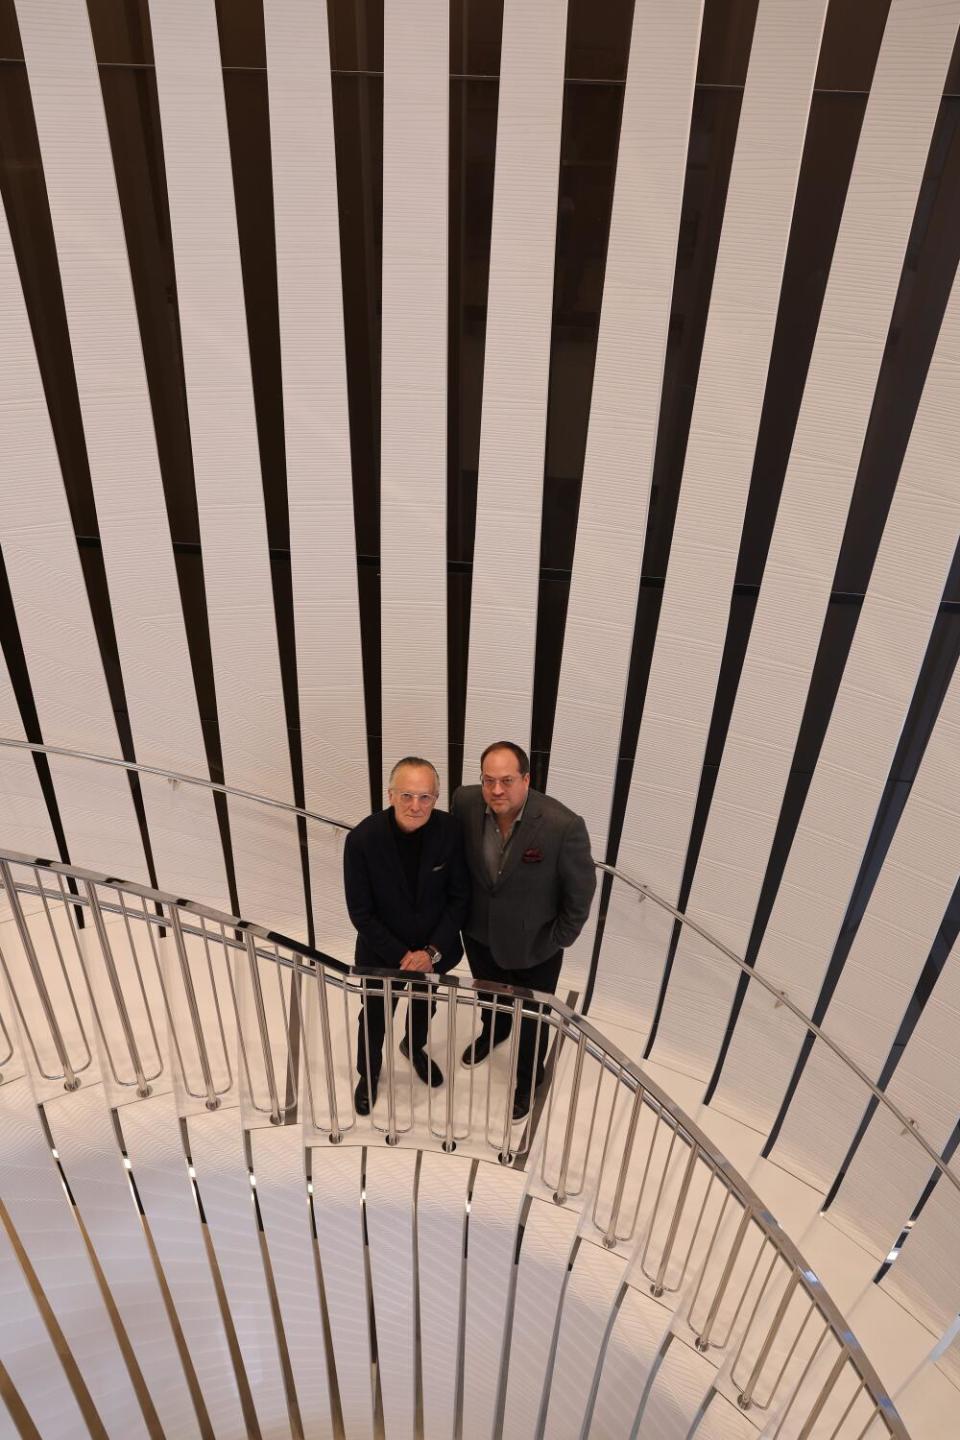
[[542, 899]]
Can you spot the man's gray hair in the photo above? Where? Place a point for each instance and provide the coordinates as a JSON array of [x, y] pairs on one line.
[[419, 761]]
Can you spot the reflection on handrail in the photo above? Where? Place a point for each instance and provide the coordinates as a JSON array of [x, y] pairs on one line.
[[780, 997], [611, 1144]]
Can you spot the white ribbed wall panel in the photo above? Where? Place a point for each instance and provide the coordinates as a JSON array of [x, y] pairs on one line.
[[33, 1194], [316, 418], [624, 414], [390, 1182], [887, 1174], [723, 1421], [516, 365], [50, 598], [336, 1207], [219, 389], [926, 1276], [28, 1356], [491, 1246], [413, 382], [679, 1388], [278, 1163], [151, 1135], [119, 431], [548, 1237], [26, 820], [638, 1332], [86, 1143], [713, 496], [441, 1213], [223, 1184], [905, 590], [889, 951], [588, 1310]]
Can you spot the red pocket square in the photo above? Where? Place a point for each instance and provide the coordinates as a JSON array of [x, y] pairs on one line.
[[532, 857]]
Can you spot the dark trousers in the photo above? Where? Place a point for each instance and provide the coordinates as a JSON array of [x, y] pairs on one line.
[[537, 977], [375, 1011]]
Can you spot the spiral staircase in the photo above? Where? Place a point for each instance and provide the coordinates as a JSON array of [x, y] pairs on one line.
[[201, 1236]]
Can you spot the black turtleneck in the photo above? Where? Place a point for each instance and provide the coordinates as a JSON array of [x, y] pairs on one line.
[[409, 845]]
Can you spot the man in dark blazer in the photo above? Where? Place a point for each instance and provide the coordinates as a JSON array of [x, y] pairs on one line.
[[407, 890], [533, 879]]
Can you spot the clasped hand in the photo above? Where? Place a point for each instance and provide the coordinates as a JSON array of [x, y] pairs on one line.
[[416, 960]]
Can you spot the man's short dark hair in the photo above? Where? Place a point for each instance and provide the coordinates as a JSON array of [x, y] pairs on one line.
[[420, 764], [520, 755]]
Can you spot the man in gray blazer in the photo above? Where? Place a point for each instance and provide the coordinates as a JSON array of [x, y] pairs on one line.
[[532, 881]]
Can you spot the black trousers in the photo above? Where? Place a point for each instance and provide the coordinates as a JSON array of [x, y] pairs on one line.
[[538, 977], [376, 1020]]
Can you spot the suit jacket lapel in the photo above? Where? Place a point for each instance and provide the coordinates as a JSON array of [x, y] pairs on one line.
[[473, 833], [432, 844]]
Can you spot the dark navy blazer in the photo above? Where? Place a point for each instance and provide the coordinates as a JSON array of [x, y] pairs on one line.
[[390, 920]]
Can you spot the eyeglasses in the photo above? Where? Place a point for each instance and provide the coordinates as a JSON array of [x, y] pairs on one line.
[[507, 781], [407, 797]]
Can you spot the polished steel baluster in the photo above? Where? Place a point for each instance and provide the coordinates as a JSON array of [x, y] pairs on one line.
[[703, 1340], [505, 1155], [68, 1074], [213, 1099], [657, 1287], [388, 1062], [119, 999], [560, 1194], [276, 1115], [336, 1134]]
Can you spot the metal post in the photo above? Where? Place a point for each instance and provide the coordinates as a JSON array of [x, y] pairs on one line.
[[505, 1155], [656, 1289], [213, 1100], [560, 1195], [703, 1339], [449, 1140], [71, 1080], [336, 1134], [745, 1398], [143, 1089], [276, 1118], [610, 1237], [392, 1136]]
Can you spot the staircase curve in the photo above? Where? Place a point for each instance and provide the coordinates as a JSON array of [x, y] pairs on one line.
[[201, 1236]]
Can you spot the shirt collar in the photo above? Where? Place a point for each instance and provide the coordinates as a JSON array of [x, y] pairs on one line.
[[488, 812]]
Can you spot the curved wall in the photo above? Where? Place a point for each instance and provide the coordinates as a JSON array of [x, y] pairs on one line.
[[380, 382]]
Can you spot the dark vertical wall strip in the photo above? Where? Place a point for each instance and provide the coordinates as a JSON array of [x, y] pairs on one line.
[[356, 49], [590, 140], [939, 663], [23, 694], [243, 55], [713, 130], [475, 39], [25, 198], [128, 86], [830, 146], [930, 263]]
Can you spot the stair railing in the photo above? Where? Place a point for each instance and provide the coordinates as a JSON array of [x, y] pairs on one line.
[[115, 983]]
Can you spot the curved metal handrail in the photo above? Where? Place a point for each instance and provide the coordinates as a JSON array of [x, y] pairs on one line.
[[180, 917], [781, 997]]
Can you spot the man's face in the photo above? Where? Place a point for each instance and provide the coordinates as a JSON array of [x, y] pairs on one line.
[[413, 794], [504, 788]]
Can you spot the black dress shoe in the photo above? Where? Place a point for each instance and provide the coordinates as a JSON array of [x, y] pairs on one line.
[[475, 1054], [521, 1105], [428, 1070], [365, 1098]]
